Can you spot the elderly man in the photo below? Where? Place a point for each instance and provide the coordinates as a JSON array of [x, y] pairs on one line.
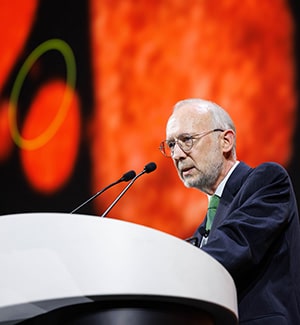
[[253, 228]]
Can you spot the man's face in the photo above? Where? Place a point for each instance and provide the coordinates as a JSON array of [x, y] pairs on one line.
[[201, 167]]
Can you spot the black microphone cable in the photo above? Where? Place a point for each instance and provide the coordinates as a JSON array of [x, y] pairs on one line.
[[149, 168], [125, 178]]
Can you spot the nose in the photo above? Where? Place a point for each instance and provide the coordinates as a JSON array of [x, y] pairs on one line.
[[178, 153]]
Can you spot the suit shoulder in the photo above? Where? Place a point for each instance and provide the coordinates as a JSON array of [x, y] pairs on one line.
[[271, 167], [270, 172]]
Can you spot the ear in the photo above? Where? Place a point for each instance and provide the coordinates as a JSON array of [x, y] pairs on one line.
[[228, 141]]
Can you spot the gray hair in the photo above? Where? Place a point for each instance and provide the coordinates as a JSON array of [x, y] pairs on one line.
[[219, 117]]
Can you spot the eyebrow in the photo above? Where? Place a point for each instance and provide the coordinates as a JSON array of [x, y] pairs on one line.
[[182, 135]]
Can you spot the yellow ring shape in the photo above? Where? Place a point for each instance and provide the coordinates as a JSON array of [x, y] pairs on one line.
[[40, 140]]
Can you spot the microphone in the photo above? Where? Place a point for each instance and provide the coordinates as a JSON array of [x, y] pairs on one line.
[[125, 178], [203, 232], [149, 168]]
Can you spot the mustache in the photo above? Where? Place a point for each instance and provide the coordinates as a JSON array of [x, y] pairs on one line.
[[182, 167]]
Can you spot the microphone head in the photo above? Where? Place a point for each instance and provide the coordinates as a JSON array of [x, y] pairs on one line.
[[128, 176], [150, 167]]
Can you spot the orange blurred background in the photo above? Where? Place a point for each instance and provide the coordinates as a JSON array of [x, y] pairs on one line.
[[86, 88]]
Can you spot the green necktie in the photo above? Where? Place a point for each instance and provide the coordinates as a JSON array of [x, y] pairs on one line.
[[212, 208]]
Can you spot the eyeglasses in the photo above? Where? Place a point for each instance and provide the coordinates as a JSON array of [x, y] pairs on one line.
[[184, 141]]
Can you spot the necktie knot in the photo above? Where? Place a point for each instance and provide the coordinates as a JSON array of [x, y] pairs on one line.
[[212, 208]]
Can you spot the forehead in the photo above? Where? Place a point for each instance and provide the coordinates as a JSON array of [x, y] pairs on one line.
[[188, 119]]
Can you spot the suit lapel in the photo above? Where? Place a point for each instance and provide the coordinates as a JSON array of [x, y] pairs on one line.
[[233, 185]]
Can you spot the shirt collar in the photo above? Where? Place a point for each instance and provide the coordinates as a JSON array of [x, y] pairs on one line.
[[220, 188]]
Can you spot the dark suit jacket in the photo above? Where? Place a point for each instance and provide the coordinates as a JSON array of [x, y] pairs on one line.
[[256, 237]]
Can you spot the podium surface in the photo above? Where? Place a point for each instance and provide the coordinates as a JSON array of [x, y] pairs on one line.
[[53, 264]]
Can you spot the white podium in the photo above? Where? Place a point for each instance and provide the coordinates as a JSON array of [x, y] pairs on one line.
[[60, 268]]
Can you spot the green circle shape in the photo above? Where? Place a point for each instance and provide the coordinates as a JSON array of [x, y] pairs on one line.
[[67, 53]]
